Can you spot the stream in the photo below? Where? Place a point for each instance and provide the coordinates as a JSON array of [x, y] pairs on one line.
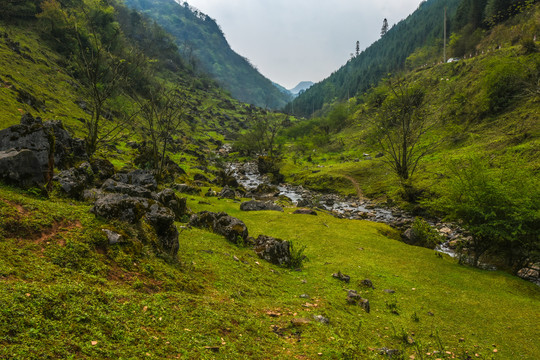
[[350, 207]]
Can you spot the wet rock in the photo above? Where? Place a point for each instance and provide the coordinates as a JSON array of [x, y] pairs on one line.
[[178, 205], [530, 273], [254, 205], [305, 212], [342, 277], [21, 168], [273, 250], [123, 188], [266, 189], [74, 181]]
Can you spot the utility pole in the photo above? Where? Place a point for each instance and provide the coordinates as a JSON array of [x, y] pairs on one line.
[[444, 46]]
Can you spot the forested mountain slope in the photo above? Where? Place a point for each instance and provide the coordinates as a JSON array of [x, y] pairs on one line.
[[387, 55], [202, 42]]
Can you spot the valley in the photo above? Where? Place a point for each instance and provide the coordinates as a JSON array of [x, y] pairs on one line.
[[148, 212]]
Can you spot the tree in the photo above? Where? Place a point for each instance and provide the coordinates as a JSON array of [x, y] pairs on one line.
[[357, 48], [262, 135], [401, 124], [163, 113], [499, 204], [384, 28], [101, 73]]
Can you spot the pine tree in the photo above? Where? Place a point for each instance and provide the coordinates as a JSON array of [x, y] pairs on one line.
[[384, 29], [357, 48]]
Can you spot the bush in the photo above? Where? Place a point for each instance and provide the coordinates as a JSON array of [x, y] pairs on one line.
[[426, 235], [502, 82], [297, 256], [499, 205]]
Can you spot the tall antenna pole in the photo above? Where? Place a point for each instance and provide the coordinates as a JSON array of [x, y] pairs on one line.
[[444, 51]]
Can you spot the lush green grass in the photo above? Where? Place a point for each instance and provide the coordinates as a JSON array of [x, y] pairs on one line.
[[66, 292]]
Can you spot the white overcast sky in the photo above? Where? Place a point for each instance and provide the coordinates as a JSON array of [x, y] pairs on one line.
[[295, 40]]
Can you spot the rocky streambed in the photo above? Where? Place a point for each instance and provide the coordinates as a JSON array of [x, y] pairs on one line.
[[259, 186]]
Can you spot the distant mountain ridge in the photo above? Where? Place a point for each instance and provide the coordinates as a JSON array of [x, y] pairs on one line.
[[302, 86], [204, 46]]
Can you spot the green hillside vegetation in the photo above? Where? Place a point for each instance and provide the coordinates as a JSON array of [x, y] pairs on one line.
[[477, 129], [203, 44], [68, 292]]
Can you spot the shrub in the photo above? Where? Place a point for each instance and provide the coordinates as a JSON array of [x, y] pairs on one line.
[[427, 236], [297, 256]]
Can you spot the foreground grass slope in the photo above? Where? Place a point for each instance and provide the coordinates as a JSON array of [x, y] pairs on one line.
[[68, 293]]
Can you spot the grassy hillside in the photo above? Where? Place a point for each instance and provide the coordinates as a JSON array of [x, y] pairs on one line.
[[66, 292]]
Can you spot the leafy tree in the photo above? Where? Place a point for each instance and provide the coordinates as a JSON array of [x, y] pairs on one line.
[[101, 73], [384, 28], [401, 124], [163, 113], [262, 136]]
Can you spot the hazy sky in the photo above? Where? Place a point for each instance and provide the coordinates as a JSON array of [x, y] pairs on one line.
[[295, 40]]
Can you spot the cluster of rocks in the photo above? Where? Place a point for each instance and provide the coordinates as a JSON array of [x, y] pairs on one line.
[[273, 250], [30, 151], [531, 272]]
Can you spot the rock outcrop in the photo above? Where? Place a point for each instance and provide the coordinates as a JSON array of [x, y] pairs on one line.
[[275, 251], [20, 168], [221, 223]]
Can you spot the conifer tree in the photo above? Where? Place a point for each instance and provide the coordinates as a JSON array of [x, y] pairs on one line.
[[384, 29], [357, 48]]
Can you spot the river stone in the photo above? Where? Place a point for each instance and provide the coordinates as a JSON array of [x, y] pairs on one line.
[[273, 250], [21, 168], [254, 205]]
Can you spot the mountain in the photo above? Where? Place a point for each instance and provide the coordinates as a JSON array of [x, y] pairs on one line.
[[302, 86], [284, 91], [386, 55], [202, 42]]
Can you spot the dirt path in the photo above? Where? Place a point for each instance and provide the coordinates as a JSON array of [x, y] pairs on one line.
[[359, 192]]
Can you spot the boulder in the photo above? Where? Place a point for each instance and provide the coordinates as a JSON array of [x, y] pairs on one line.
[[304, 203], [530, 273], [122, 207], [227, 193], [178, 205], [139, 178], [410, 236], [187, 189], [264, 189], [103, 169], [275, 251], [162, 220], [305, 212], [221, 223], [40, 138], [123, 188], [254, 205], [21, 168], [31, 135], [113, 237], [74, 181]]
